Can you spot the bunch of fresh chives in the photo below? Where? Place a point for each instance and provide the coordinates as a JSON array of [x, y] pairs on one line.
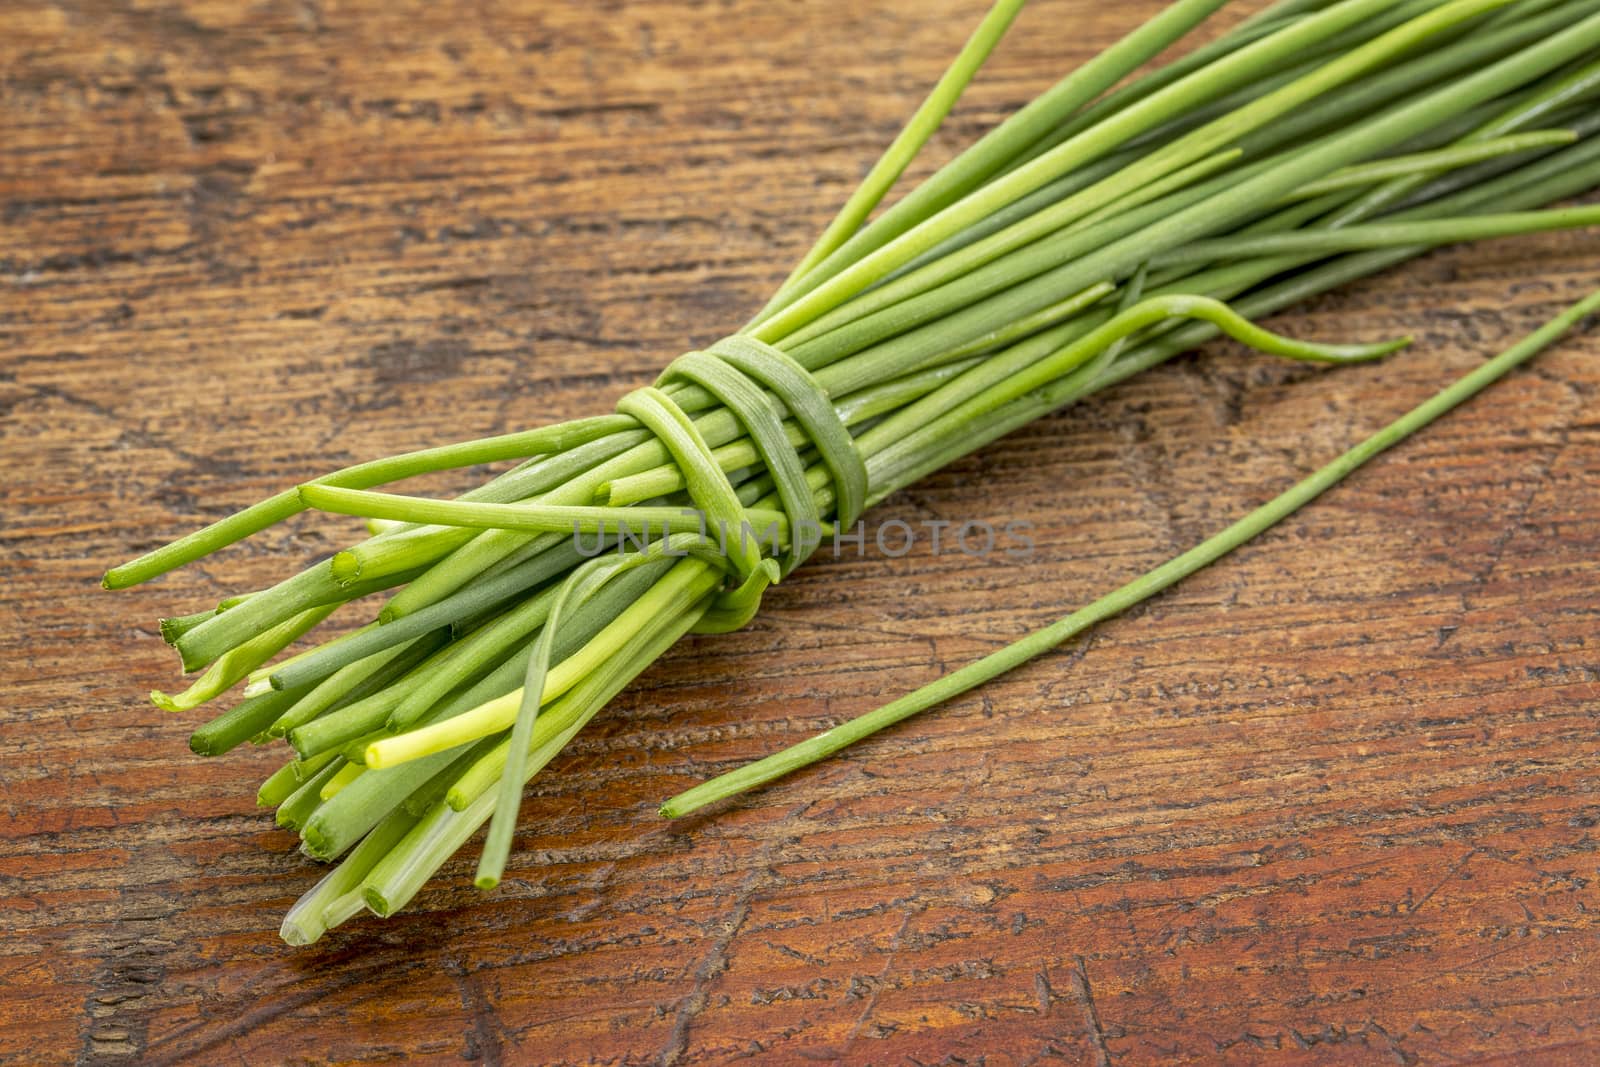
[[1103, 228]]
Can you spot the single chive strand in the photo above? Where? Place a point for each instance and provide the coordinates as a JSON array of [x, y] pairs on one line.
[[1433, 162], [275, 509], [260, 679], [529, 518], [175, 627], [304, 801], [238, 662], [904, 148], [497, 845], [1131, 295], [1383, 235], [347, 774], [279, 786], [1134, 592], [240, 723]]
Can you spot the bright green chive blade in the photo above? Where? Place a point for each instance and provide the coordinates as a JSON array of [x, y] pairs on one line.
[[275, 509], [1382, 235], [904, 148]]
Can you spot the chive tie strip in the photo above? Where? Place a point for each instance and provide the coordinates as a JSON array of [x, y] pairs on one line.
[[1109, 224], [710, 489]]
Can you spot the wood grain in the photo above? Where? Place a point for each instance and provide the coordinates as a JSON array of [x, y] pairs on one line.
[[1333, 800]]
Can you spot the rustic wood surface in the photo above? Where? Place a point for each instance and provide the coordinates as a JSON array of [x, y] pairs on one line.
[[1333, 800]]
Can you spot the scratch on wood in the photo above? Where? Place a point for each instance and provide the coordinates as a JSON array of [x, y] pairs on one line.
[[1080, 986], [892, 951], [483, 1043], [1454, 870], [715, 962]]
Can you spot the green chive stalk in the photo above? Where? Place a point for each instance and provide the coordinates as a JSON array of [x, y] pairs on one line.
[[1116, 220]]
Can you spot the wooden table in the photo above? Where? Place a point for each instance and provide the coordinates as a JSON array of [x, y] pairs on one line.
[[1334, 799]]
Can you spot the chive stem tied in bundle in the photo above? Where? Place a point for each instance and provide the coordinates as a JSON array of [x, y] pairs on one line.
[[1116, 220]]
